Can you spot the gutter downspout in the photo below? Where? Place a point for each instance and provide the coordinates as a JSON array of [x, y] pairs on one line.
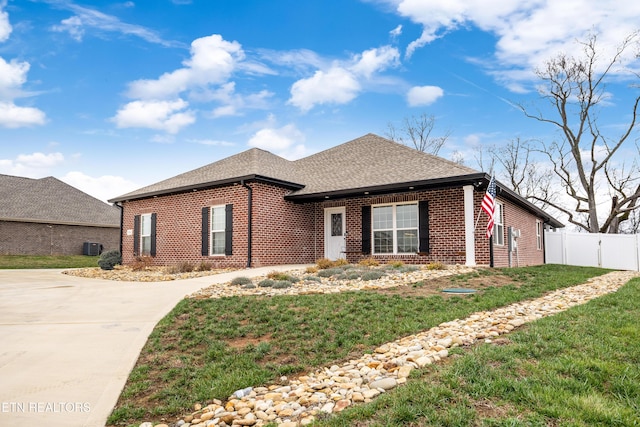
[[121, 224], [249, 220]]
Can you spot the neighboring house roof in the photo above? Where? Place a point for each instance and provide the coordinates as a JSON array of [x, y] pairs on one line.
[[370, 164], [49, 200]]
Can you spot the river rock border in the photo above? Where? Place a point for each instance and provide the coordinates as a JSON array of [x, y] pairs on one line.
[[332, 389]]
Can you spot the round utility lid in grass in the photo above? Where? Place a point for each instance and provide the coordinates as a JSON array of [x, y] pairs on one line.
[[459, 291]]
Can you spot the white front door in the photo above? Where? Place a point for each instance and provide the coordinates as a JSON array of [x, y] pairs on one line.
[[334, 233]]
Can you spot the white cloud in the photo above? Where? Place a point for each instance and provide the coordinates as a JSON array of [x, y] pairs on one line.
[[5, 26], [169, 116], [34, 165], [13, 116], [212, 142], [285, 141], [103, 188], [424, 95], [528, 33], [396, 32], [13, 75], [212, 61], [335, 86], [342, 81], [85, 17]]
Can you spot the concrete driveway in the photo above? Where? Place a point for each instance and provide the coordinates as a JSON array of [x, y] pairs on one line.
[[67, 344]]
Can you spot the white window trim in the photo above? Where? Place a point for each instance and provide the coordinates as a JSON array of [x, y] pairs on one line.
[[539, 233], [142, 235], [498, 225], [394, 229], [212, 230]]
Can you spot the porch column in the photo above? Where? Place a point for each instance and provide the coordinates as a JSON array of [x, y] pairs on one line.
[[469, 233]]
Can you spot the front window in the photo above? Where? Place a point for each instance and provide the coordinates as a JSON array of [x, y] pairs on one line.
[[395, 229], [217, 230], [498, 230], [145, 234]]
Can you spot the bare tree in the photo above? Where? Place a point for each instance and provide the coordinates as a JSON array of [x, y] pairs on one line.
[[583, 160], [522, 173], [416, 132]]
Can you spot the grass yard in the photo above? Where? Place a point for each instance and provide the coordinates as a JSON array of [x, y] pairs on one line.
[[578, 368], [208, 348], [48, 261]]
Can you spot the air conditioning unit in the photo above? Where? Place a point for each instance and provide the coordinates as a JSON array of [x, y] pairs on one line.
[[91, 249]]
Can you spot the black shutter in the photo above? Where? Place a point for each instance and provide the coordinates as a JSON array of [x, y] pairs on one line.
[[205, 231], [228, 230], [154, 218], [423, 224], [136, 235], [366, 230]]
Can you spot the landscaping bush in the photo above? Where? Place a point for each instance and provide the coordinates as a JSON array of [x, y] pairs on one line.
[[324, 263], [266, 283], [312, 278], [142, 263], [204, 266], [330, 272], [249, 286], [369, 262], [354, 274], [396, 264], [238, 281], [435, 266], [281, 284], [372, 275], [109, 259], [408, 268], [185, 267], [311, 270], [275, 275]]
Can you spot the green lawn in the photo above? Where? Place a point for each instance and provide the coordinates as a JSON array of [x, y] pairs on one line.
[[578, 368], [41, 261], [206, 349]]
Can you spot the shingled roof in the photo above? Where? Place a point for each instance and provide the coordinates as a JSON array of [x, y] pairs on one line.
[[366, 162], [49, 200]]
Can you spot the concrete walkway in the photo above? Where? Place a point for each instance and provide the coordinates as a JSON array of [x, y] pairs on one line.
[[67, 344]]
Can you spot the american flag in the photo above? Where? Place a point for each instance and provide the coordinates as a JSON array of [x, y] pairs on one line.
[[489, 205]]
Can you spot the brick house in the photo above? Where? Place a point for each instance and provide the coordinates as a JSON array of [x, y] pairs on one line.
[[48, 217], [366, 197]]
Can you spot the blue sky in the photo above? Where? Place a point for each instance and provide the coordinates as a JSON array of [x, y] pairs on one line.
[[111, 96]]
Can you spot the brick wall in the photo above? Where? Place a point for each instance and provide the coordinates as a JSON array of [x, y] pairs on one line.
[[282, 232], [30, 238], [285, 232]]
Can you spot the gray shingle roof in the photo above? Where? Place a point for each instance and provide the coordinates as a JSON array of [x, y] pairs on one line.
[[368, 161], [371, 161], [250, 163], [50, 200]]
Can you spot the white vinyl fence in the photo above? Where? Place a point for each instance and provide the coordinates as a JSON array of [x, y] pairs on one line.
[[615, 251]]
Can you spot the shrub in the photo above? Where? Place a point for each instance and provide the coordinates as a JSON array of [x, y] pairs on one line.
[[281, 284], [249, 286], [275, 275], [340, 262], [369, 262], [142, 263], [238, 281], [341, 276], [396, 264], [204, 266], [354, 274], [408, 268], [435, 266], [109, 259], [312, 278], [329, 272], [185, 267], [372, 275], [311, 270], [266, 283], [324, 263]]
